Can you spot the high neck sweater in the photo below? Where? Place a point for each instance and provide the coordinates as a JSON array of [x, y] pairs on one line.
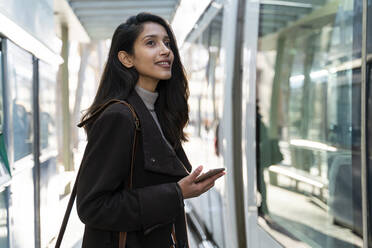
[[149, 99]]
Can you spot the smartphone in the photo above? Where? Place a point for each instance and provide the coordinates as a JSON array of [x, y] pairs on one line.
[[209, 174]]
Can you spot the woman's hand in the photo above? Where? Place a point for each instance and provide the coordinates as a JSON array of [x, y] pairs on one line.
[[191, 189]]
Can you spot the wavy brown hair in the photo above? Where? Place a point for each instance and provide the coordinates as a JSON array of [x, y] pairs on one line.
[[117, 81]]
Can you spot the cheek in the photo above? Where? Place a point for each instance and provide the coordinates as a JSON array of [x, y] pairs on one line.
[[143, 62]]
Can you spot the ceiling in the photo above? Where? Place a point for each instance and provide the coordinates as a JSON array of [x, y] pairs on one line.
[[100, 18]]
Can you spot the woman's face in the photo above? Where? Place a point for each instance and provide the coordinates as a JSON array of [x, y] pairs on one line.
[[153, 57]]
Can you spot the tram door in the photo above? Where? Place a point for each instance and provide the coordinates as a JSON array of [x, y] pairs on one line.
[[203, 62], [302, 81]]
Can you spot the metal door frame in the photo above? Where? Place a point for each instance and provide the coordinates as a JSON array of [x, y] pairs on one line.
[[364, 132]]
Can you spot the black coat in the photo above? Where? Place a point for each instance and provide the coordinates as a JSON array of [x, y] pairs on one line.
[[154, 205]]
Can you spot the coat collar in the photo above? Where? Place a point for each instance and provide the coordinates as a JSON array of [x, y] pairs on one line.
[[158, 156]]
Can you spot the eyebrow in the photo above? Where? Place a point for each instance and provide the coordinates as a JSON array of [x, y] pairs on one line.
[[154, 36]]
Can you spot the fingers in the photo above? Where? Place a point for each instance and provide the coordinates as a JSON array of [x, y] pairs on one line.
[[196, 173], [218, 175], [210, 186], [213, 178], [209, 183], [191, 189]]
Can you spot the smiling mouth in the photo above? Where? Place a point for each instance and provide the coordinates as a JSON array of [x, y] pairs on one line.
[[164, 64]]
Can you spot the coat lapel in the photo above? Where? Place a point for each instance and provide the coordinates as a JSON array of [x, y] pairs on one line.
[[158, 156]]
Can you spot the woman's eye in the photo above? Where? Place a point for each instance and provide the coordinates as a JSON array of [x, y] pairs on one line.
[[167, 43], [150, 43]]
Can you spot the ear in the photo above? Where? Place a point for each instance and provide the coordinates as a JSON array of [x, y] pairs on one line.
[[125, 59]]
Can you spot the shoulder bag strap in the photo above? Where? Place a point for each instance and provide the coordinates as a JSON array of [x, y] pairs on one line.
[[122, 236]]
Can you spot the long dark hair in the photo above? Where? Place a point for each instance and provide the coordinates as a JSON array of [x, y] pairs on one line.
[[117, 81]]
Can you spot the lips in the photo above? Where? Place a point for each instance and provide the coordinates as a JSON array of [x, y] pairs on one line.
[[163, 63]]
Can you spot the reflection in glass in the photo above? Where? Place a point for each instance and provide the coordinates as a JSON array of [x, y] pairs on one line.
[[369, 146], [1, 93], [204, 67], [308, 121], [47, 104], [202, 61], [3, 220], [20, 84], [369, 33], [4, 162]]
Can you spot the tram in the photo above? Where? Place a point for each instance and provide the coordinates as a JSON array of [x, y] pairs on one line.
[[279, 96]]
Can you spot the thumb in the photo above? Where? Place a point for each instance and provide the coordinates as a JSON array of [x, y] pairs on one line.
[[196, 173]]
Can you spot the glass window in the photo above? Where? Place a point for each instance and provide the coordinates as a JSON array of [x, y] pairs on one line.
[[20, 84], [308, 121], [3, 220], [47, 103], [369, 149], [4, 162], [369, 120], [202, 61], [369, 33]]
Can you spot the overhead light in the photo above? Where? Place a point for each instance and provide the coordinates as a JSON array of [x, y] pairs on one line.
[[319, 74], [287, 4], [312, 145]]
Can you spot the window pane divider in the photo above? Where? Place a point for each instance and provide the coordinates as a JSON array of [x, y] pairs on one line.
[[364, 126]]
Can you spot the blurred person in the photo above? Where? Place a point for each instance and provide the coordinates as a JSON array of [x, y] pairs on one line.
[[144, 69]]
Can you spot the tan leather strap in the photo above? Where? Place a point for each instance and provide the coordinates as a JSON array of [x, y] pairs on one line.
[[122, 235], [122, 239], [174, 237], [105, 105]]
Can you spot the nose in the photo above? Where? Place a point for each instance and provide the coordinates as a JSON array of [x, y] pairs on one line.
[[164, 50]]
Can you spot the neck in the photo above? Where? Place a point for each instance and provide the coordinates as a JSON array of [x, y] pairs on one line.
[[148, 97], [147, 83]]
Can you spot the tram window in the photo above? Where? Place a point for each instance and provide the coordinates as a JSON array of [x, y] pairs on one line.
[[47, 103], [1, 93], [308, 77], [20, 85], [369, 33], [369, 147], [4, 162], [202, 60], [369, 120], [3, 220]]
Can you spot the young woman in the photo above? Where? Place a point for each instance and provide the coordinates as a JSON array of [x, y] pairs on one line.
[[144, 69]]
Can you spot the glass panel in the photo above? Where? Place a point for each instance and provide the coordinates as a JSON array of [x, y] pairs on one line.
[[369, 26], [47, 103], [202, 61], [308, 120], [22, 209], [49, 199], [4, 162], [3, 220], [1, 92], [369, 119], [20, 84], [369, 150]]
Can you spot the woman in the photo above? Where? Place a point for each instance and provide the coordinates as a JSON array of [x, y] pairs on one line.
[[144, 69]]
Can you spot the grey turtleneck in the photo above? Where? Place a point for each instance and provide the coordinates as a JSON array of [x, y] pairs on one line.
[[149, 98]]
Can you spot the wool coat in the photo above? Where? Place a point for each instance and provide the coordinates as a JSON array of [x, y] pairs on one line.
[[154, 205]]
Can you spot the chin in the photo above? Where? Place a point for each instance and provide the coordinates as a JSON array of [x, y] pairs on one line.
[[165, 77]]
